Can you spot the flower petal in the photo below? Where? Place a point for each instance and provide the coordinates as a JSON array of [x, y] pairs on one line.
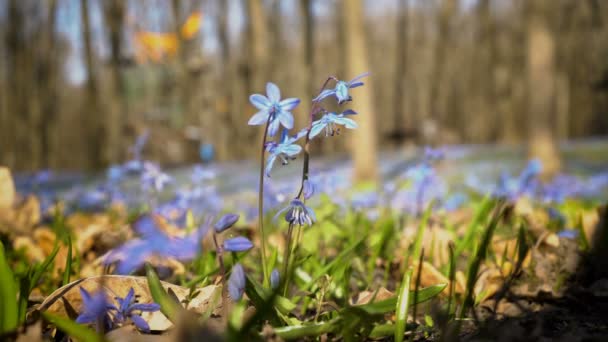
[[289, 104], [226, 222], [236, 282], [365, 74], [286, 119], [269, 164], [355, 85], [261, 102], [258, 118], [145, 307], [140, 323], [238, 244], [317, 127], [348, 123], [273, 128], [325, 93], [273, 92], [291, 150]]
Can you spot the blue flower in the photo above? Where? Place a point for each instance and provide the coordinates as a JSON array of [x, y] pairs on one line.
[[225, 222], [236, 282], [297, 213], [272, 109], [238, 244], [154, 242], [96, 310], [285, 150], [329, 121], [275, 278], [129, 309], [341, 90], [153, 178], [139, 145]]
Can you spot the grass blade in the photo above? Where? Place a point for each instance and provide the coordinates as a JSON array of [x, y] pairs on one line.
[[388, 305], [418, 277], [168, 306], [8, 293], [68, 264], [402, 306], [73, 329]]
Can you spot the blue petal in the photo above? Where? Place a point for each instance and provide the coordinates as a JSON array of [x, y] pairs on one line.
[[85, 318], [127, 300], [236, 282], [269, 164], [317, 127], [140, 323], [145, 307], [286, 119], [274, 279], [348, 123], [355, 85], [226, 222], [291, 150], [358, 77], [260, 101], [238, 244], [349, 112], [325, 93], [308, 189], [273, 128], [289, 104], [273, 92], [258, 118]]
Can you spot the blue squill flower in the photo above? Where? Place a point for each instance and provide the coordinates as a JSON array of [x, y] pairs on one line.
[[96, 310], [297, 213], [285, 150], [238, 244], [153, 178], [275, 278], [225, 222], [273, 109], [155, 242], [341, 90], [236, 282], [329, 122], [129, 309], [139, 145]]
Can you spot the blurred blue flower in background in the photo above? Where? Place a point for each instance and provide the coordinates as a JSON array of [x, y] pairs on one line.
[[96, 310]]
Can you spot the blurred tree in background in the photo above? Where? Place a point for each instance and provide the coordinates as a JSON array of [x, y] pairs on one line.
[[79, 79]]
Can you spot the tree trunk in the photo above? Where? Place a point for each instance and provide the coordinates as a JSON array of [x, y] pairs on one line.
[[541, 87], [363, 140]]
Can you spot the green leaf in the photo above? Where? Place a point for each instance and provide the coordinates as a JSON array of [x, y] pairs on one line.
[[8, 292], [68, 263], [73, 329], [402, 306], [168, 306], [388, 305], [313, 329]]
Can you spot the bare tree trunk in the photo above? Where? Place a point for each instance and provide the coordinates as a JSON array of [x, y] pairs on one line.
[[306, 72], [117, 111], [541, 87], [228, 114], [446, 12], [363, 140], [93, 119], [401, 126], [50, 86]]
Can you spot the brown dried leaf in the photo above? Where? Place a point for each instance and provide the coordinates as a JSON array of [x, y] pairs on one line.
[[365, 297], [7, 189], [66, 301]]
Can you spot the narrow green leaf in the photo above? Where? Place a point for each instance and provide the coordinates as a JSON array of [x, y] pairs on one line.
[[168, 306], [8, 293], [480, 215], [315, 329], [40, 269], [68, 263], [388, 305], [73, 329], [402, 306]]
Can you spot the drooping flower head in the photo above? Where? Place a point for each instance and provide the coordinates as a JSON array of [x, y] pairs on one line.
[[272, 109], [153, 177], [236, 282], [297, 213], [341, 90], [329, 121]]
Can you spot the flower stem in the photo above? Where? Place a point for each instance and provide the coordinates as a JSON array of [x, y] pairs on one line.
[[220, 261], [286, 257], [261, 206]]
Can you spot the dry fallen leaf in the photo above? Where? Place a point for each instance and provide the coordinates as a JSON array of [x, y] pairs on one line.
[[365, 297], [66, 301]]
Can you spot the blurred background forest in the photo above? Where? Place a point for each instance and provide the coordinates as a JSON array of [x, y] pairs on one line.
[[80, 79]]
